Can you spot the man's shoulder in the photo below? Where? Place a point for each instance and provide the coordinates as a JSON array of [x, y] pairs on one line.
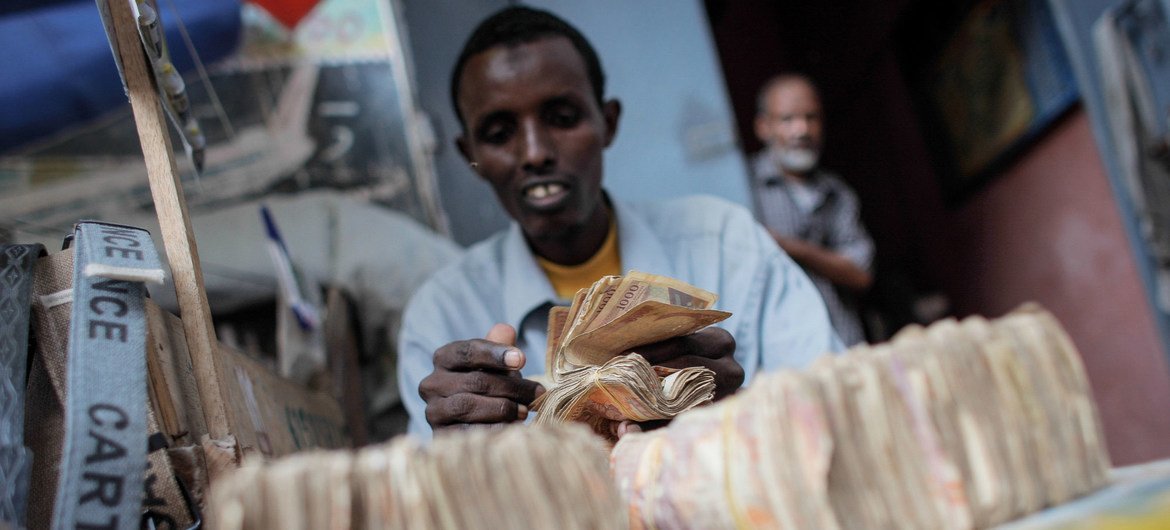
[[691, 213], [760, 165], [478, 267], [833, 180]]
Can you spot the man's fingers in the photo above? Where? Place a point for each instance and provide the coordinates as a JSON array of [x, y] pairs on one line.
[[725, 368], [661, 352], [712, 343], [444, 384], [478, 381], [625, 427], [729, 375], [479, 354], [622, 428], [689, 361], [503, 334], [471, 408]]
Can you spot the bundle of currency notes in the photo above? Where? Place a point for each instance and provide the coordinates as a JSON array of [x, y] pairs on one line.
[[956, 426], [757, 459], [596, 375], [490, 478]]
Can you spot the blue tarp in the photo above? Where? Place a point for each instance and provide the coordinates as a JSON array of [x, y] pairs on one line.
[[57, 68]]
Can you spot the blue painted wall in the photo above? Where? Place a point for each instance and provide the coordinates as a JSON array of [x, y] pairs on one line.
[[677, 131], [677, 135]]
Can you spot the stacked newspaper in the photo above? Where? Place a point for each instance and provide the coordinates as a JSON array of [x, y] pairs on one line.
[[595, 378], [513, 477], [956, 426]]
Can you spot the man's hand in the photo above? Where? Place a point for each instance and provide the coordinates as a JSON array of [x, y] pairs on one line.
[[838, 269], [712, 348], [478, 381]]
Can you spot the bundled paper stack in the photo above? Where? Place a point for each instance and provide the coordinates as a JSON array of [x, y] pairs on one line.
[[755, 460], [960, 425], [513, 477], [595, 381]]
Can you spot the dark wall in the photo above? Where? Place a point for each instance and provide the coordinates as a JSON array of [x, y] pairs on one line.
[[1048, 230], [1045, 228], [847, 47]]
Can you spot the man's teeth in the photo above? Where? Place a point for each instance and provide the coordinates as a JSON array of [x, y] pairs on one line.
[[541, 191]]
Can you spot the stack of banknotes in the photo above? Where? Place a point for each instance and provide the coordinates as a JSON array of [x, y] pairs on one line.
[[956, 426], [961, 425], [490, 478], [597, 377]]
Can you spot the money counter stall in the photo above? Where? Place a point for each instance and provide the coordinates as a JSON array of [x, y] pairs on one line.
[[978, 423]]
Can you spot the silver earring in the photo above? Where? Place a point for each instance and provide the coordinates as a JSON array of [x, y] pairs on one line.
[[474, 165]]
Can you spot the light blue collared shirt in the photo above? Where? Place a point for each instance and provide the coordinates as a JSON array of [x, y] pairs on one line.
[[778, 318]]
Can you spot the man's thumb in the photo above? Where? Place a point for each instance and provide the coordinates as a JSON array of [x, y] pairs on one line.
[[503, 334]]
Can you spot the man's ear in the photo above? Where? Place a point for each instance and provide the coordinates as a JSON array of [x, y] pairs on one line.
[[611, 110], [761, 129]]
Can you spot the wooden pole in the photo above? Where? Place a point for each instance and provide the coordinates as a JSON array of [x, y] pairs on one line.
[[171, 208]]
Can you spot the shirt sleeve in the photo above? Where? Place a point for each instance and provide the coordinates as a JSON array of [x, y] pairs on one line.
[[795, 322], [416, 352], [848, 236], [783, 322]]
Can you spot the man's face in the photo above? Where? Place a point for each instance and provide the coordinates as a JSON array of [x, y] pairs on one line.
[[537, 134], [791, 124]]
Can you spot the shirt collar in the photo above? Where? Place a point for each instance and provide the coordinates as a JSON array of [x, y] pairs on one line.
[[526, 287], [641, 248], [764, 170]]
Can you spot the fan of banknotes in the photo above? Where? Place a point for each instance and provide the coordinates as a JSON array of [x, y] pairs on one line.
[[595, 378], [481, 477], [956, 426]]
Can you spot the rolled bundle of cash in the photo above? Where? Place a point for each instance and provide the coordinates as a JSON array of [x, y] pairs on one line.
[[595, 378], [956, 426], [513, 477]]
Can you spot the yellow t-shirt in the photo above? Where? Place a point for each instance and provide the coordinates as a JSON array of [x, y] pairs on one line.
[[567, 279]]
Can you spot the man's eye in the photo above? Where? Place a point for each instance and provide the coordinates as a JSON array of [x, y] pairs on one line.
[[495, 134], [565, 117]]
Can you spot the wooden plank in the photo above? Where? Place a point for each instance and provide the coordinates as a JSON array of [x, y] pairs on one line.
[[171, 378], [276, 416], [271, 415], [342, 349], [171, 208], [236, 396]]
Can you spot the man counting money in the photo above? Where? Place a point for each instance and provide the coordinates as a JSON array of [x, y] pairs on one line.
[[529, 92]]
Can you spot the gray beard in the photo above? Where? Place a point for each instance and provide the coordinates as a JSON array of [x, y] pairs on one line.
[[795, 160]]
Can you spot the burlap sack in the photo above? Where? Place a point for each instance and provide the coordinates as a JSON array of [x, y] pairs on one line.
[[44, 423]]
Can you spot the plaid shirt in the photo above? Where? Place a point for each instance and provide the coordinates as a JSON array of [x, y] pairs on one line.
[[833, 223]]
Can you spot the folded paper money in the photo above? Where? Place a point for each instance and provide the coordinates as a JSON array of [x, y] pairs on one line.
[[596, 375]]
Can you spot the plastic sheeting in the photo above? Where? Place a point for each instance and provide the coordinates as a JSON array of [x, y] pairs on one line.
[[58, 68]]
